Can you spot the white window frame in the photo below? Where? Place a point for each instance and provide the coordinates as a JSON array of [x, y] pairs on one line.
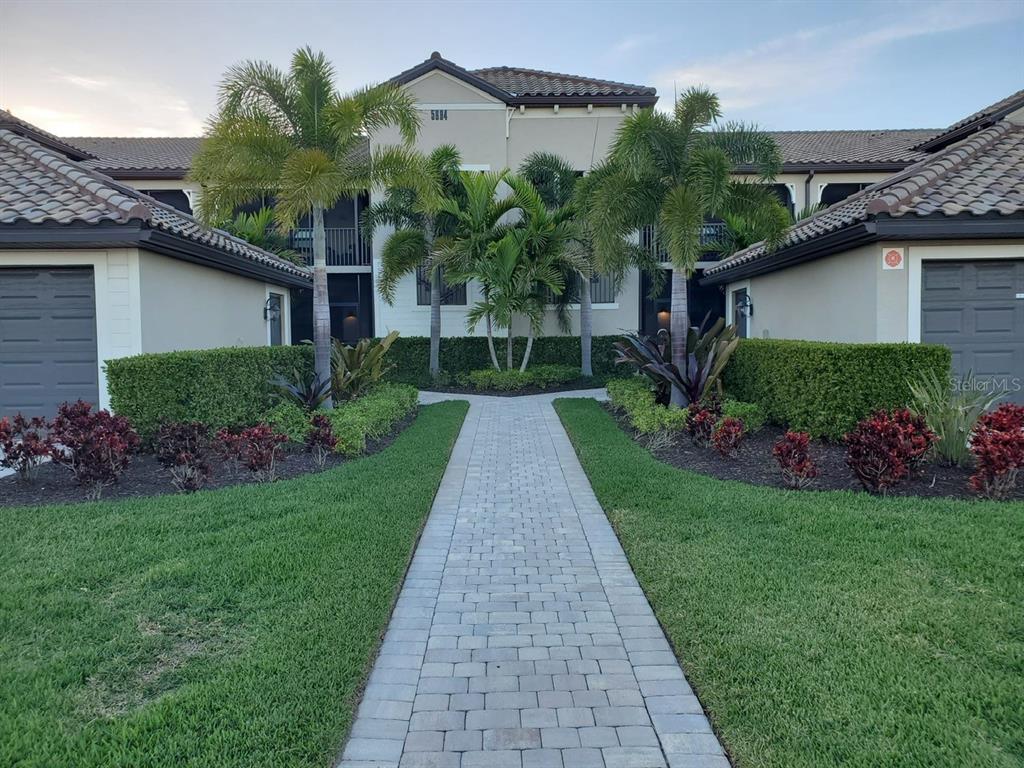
[[286, 313]]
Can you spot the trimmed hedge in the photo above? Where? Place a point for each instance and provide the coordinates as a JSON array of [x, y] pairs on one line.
[[540, 376], [635, 396], [461, 354], [371, 416], [825, 388], [226, 387]]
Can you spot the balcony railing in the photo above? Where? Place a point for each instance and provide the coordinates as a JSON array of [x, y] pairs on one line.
[[345, 246], [710, 233]]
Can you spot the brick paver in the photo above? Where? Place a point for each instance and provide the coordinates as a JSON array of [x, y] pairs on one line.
[[521, 637]]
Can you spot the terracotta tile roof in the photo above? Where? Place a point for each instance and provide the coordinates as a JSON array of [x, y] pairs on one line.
[[983, 175], [515, 85], [974, 122], [117, 154], [41, 186], [14, 123], [534, 82], [807, 149]]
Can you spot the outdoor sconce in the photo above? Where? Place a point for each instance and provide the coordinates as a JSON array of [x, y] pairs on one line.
[[745, 305], [271, 311], [663, 318]]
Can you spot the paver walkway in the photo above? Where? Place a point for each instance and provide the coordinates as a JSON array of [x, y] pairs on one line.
[[521, 637]]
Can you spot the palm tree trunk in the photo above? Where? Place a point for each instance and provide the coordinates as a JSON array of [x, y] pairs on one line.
[[435, 302], [508, 347], [490, 343], [586, 327], [321, 302], [529, 348], [679, 326]]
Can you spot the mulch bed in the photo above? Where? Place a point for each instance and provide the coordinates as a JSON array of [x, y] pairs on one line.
[[755, 465], [569, 386], [53, 484]]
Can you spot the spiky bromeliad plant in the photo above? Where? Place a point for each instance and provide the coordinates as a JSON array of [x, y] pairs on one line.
[[357, 367], [706, 353], [293, 137]]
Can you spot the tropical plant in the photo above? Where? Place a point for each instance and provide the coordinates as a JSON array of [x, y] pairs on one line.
[[998, 447], [355, 368], [883, 449], [555, 181], [96, 446], [24, 444], [320, 441], [673, 173], [259, 228], [185, 449], [700, 424], [529, 263], [705, 354], [729, 436], [478, 212], [950, 412], [304, 388], [292, 136], [259, 448], [793, 455], [419, 226]]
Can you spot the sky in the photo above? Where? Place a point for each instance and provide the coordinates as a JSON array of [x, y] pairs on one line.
[[149, 68]]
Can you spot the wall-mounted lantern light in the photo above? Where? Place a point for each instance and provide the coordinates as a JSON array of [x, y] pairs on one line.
[[745, 305], [272, 309]]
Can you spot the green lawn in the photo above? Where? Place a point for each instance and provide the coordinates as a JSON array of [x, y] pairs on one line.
[[826, 629], [227, 628]]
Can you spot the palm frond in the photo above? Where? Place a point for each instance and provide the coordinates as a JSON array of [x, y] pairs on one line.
[[682, 216], [371, 109], [309, 178], [747, 145], [402, 253], [313, 79], [261, 90], [553, 177]]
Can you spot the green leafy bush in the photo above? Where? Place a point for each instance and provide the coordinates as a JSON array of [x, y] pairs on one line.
[[751, 414], [825, 388], [636, 398], [356, 368], [951, 412], [226, 387], [460, 355], [371, 416], [289, 419], [540, 376]]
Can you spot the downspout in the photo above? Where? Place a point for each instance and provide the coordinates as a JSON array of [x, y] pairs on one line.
[[807, 189], [508, 119]]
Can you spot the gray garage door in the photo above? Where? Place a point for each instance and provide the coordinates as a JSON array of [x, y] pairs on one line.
[[47, 339], [976, 308]]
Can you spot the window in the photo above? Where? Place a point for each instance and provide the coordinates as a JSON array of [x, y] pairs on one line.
[[451, 295], [602, 291], [836, 193], [275, 318]]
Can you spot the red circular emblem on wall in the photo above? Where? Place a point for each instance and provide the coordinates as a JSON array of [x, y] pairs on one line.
[[893, 258]]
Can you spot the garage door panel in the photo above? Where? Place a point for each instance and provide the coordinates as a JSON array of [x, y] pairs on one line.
[[972, 308], [47, 339]]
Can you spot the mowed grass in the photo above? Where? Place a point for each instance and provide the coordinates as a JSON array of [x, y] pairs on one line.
[[826, 629], [226, 628]]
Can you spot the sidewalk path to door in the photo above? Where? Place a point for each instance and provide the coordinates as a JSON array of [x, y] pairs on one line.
[[521, 638]]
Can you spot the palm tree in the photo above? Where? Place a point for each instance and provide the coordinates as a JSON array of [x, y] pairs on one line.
[[419, 224], [260, 229], [477, 213], [291, 135], [555, 182], [675, 172]]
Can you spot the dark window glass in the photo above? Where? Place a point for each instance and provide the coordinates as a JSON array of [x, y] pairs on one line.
[[836, 193], [172, 197], [451, 295], [276, 319], [739, 316]]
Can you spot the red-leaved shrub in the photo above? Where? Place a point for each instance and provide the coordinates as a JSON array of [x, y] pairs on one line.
[[321, 440], [998, 447], [729, 436], [227, 445], [883, 449], [793, 454], [95, 445], [700, 424], [259, 450], [185, 448], [24, 444]]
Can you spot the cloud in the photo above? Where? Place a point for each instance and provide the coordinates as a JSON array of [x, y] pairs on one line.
[[96, 105], [787, 69], [631, 43]]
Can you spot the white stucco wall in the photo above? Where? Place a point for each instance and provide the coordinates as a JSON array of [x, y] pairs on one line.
[[850, 297], [492, 136], [187, 306]]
